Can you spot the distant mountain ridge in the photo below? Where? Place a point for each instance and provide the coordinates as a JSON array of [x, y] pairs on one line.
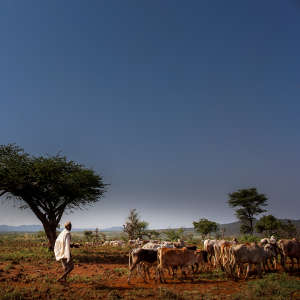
[[230, 228], [35, 228]]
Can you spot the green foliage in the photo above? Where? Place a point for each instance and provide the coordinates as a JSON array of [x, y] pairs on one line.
[[251, 204], [174, 234], [152, 234], [88, 234], [204, 227], [288, 229], [273, 286], [248, 238], [268, 225], [47, 185], [134, 227], [41, 235]]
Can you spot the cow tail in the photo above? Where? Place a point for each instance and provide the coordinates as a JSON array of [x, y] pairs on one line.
[[130, 259]]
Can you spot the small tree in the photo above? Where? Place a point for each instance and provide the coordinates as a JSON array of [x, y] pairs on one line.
[[152, 234], [47, 185], [134, 227], [204, 227], [96, 233], [251, 204], [268, 225], [88, 234]]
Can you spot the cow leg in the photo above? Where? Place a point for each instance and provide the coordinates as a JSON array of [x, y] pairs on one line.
[[259, 270], [196, 265], [183, 272], [247, 271], [174, 271], [275, 263], [266, 266], [159, 273], [282, 261], [292, 260], [148, 270], [239, 270], [132, 267], [142, 273]]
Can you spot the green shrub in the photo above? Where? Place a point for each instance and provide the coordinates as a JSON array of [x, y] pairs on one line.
[[247, 238], [273, 286]]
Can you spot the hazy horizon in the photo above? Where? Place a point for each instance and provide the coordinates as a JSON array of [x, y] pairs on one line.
[[175, 104]]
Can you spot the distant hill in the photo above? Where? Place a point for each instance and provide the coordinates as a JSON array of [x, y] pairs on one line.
[[35, 228], [234, 228], [21, 228], [231, 229]]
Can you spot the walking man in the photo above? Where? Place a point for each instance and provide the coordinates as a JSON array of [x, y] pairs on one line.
[[62, 251]]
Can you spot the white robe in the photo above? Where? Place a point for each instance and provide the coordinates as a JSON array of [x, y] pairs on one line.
[[62, 245]]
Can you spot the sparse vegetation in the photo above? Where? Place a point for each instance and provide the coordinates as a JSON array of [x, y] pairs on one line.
[[272, 286], [101, 273]]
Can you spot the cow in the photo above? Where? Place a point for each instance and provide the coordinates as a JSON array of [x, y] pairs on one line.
[[208, 245], [291, 249], [174, 258], [147, 257], [250, 254], [220, 251]]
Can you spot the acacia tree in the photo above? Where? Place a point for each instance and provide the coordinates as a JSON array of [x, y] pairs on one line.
[[47, 185], [251, 203], [134, 227], [204, 227]]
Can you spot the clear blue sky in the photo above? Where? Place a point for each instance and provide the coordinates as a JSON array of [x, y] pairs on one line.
[[175, 103]]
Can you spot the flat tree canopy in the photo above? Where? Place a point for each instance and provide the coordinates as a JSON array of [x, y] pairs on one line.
[[47, 185], [250, 204]]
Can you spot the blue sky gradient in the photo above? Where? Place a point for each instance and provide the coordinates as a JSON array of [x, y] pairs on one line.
[[175, 103]]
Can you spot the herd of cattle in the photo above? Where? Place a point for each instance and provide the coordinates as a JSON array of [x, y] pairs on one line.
[[232, 257]]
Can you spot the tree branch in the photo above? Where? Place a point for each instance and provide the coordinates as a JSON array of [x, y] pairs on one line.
[[2, 193]]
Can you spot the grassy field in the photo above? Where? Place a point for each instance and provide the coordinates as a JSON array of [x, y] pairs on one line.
[[29, 271]]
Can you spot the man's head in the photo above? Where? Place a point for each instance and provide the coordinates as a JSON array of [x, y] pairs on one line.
[[68, 225]]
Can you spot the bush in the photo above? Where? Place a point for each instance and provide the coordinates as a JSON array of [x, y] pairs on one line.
[[248, 238], [273, 286]]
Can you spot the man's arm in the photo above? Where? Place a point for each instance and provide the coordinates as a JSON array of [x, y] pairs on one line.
[[67, 247]]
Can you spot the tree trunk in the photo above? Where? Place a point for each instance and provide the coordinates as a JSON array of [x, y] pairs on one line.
[[50, 230], [251, 226]]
